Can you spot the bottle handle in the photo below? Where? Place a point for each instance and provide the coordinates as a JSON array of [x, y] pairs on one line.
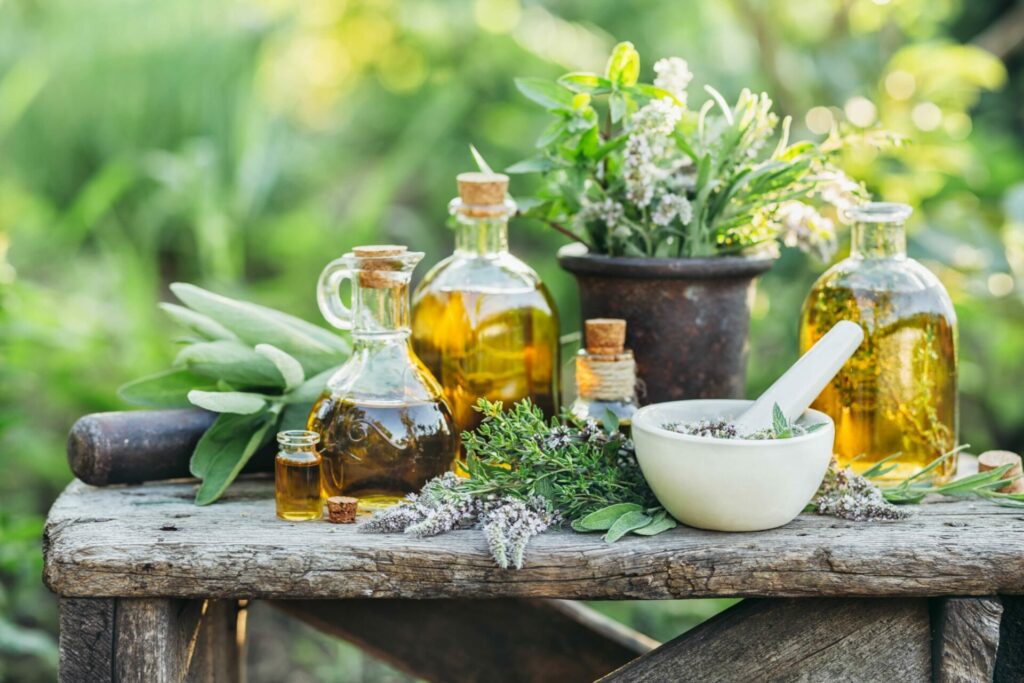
[[328, 294]]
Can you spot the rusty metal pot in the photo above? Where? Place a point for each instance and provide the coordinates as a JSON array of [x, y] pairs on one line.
[[687, 319]]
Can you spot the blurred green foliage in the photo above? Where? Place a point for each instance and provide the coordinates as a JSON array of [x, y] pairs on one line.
[[241, 145]]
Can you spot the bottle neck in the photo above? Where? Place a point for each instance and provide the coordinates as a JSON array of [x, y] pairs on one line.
[[481, 237], [878, 241], [380, 314]]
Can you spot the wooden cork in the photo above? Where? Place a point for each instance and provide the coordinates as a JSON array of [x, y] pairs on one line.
[[342, 509], [605, 336], [482, 194], [990, 460], [377, 265]]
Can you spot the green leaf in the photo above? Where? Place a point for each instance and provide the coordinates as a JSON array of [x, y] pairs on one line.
[[238, 402], [290, 369], [481, 163], [225, 448], [585, 82], [547, 94], [611, 421], [617, 106], [653, 92], [534, 165], [590, 143], [231, 362], [623, 67], [780, 425], [311, 389], [659, 523], [167, 389], [203, 325], [603, 519], [626, 523]]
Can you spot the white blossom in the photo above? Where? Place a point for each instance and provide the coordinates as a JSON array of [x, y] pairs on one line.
[[838, 189], [608, 211], [639, 171], [673, 75], [800, 225], [670, 207], [656, 118]]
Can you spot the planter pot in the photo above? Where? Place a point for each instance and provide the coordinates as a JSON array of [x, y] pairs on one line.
[[687, 319]]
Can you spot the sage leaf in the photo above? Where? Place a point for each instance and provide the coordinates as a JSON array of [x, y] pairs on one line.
[[659, 523], [203, 325], [290, 369], [167, 389], [603, 519], [237, 402], [225, 448], [232, 362], [547, 94], [310, 390], [294, 416], [626, 523], [611, 421]]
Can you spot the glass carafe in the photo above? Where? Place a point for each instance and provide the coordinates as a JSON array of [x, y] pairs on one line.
[[898, 394], [384, 425], [483, 322]]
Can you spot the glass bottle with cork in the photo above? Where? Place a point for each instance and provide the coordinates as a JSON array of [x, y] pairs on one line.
[[483, 322], [605, 374], [298, 493], [384, 424], [898, 394]]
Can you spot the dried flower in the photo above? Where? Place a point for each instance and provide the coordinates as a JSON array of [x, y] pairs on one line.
[[848, 495], [673, 75]]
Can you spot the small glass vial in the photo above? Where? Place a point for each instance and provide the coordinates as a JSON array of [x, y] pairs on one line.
[[605, 374], [297, 476]]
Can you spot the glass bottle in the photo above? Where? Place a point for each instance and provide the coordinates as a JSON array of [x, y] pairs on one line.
[[297, 489], [483, 322], [605, 374], [385, 427], [898, 394]]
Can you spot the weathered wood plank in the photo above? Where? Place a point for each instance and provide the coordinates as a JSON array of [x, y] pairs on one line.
[[86, 642], [1010, 655], [966, 639], [790, 640], [479, 640], [140, 541]]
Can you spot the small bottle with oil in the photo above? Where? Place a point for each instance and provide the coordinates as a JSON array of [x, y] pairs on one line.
[[898, 393], [483, 321], [297, 476], [605, 374], [384, 424]]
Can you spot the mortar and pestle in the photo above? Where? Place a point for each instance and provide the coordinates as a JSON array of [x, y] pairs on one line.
[[743, 484]]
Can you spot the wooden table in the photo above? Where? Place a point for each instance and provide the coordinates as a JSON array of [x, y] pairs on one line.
[[153, 588]]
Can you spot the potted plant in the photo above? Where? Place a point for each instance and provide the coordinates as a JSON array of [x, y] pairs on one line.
[[675, 212]]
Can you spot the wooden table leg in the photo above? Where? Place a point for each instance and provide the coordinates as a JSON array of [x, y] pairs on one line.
[[966, 638], [150, 640], [1010, 655]]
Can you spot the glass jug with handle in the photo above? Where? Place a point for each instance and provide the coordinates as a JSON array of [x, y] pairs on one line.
[[384, 425]]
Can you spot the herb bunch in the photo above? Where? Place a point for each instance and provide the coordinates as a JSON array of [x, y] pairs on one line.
[[630, 170], [781, 428], [527, 474], [260, 369]]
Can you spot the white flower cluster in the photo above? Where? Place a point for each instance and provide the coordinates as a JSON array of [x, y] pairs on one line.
[[670, 207], [673, 75], [800, 225], [608, 210], [648, 154], [508, 523], [850, 496], [838, 189]]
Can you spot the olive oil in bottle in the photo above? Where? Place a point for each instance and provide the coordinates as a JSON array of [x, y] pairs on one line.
[[384, 424], [483, 322], [898, 393], [605, 374], [297, 489]]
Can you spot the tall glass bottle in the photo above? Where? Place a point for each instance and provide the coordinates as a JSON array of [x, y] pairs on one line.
[[483, 322], [898, 394], [384, 426]]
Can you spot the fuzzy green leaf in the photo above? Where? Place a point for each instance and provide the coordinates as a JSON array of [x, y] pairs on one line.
[[626, 523], [167, 389], [311, 389], [659, 523], [205, 326], [290, 369], [225, 448], [780, 425], [237, 402], [547, 94], [232, 362], [603, 519]]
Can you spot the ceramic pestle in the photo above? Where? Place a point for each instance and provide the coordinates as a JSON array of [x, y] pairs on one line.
[[800, 385]]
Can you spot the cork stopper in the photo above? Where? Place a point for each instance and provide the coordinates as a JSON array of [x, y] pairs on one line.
[[482, 194], [377, 265], [990, 460], [605, 336], [342, 509]]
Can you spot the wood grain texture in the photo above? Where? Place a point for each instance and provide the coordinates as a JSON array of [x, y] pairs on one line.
[[144, 541], [479, 640], [86, 644], [966, 639], [1010, 655], [797, 640]]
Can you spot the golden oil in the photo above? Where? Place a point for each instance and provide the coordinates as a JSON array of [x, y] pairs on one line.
[[898, 394], [380, 452], [297, 488]]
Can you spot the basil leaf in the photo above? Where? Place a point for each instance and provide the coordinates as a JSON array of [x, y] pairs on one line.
[[603, 519], [237, 402], [290, 369], [205, 326], [231, 362], [225, 448], [626, 523], [167, 389]]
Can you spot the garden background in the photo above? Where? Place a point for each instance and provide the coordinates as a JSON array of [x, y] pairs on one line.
[[241, 145]]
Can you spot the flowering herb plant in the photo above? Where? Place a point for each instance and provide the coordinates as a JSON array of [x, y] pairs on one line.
[[630, 170]]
